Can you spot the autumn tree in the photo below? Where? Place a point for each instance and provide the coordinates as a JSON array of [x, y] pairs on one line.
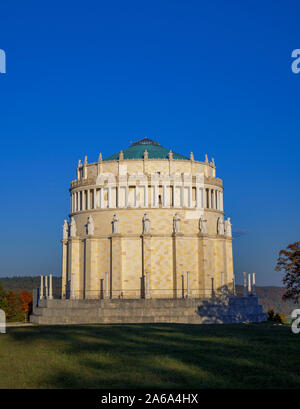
[[14, 311], [26, 300], [3, 299], [289, 263]]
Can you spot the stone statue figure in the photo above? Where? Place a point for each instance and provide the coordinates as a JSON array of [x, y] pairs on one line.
[[176, 223], [220, 226], [73, 227], [65, 230], [228, 231], [202, 225], [115, 224], [90, 227], [146, 224]]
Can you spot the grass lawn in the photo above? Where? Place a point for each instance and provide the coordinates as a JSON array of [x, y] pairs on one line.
[[150, 356]]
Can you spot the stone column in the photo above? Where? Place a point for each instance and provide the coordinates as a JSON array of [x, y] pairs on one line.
[[73, 286], [249, 284], [187, 284], [88, 199], [233, 286], [147, 285], [126, 196], [197, 197], [245, 284], [116, 265], [95, 199], [253, 284], [181, 196], [109, 197], [209, 199], [64, 268], [222, 282], [135, 204], [91, 268], [83, 200], [146, 196], [190, 196], [50, 288], [164, 201], [205, 255], [42, 288], [101, 198], [74, 265], [106, 284], [155, 194]]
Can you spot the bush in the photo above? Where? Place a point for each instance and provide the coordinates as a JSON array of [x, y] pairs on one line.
[[274, 317]]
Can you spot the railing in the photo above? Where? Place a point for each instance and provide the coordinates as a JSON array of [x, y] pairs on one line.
[[152, 294]]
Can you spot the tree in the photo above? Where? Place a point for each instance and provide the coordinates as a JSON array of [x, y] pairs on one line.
[[26, 305], [289, 263], [14, 311], [3, 299]]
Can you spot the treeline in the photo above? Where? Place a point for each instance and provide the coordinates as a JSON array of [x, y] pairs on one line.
[[28, 283], [17, 305], [270, 297]]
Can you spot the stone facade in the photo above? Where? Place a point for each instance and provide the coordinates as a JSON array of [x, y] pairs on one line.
[[103, 258]]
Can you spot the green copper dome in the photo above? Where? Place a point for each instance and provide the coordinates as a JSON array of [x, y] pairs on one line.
[[155, 151]]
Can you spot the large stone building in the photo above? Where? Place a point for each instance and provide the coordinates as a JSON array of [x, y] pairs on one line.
[[146, 222]]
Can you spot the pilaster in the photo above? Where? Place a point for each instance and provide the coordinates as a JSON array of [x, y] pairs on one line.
[[64, 268], [92, 287], [74, 266]]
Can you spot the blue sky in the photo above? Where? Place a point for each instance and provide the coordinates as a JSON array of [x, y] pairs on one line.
[[209, 77]]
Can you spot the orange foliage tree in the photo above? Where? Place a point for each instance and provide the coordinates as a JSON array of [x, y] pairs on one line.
[[26, 300]]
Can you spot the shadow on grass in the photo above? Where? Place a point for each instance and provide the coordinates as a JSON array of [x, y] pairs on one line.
[[165, 356]]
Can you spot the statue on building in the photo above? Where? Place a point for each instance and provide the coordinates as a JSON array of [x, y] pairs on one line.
[[65, 230], [73, 227], [121, 155], [220, 226], [146, 154], [202, 225], [228, 231], [115, 224], [176, 223], [146, 224], [90, 227], [192, 156], [170, 155]]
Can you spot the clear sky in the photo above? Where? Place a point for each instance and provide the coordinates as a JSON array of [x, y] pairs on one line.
[[204, 76]]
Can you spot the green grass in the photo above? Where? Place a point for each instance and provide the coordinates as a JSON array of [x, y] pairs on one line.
[[150, 356]]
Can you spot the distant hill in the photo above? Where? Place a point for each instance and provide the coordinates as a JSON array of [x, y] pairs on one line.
[[270, 297], [19, 284]]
